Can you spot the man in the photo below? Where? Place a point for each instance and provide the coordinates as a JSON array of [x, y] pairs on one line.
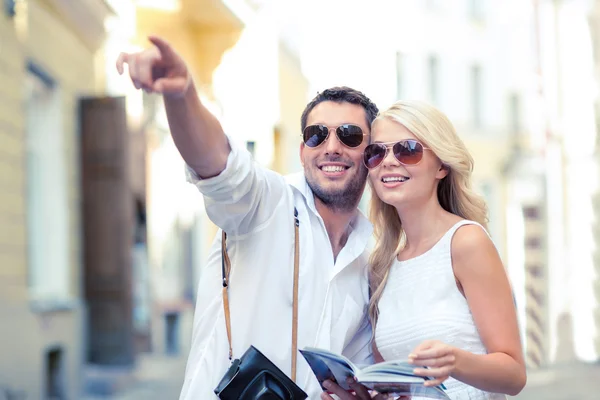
[[255, 207]]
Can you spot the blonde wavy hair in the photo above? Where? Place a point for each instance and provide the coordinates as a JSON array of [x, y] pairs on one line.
[[432, 128]]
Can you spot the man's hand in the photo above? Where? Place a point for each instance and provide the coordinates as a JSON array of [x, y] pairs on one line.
[[438, 356], [158, 69]]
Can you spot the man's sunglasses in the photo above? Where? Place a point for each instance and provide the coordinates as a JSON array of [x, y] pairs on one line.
[[407, 152], [349, 135]]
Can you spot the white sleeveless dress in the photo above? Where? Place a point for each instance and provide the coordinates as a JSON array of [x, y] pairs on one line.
[[421, 302]]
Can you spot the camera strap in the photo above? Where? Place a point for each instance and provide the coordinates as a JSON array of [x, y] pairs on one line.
[[226, 269]]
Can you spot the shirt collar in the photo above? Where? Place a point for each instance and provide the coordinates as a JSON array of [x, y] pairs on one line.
[[298, 181], [362, 226]]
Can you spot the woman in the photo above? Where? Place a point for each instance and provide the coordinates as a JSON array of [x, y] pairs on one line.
[[440, 295]]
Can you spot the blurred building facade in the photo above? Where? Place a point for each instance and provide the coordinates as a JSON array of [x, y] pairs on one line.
[[594, 19], [568, 136], [524, 171], [47, 61]]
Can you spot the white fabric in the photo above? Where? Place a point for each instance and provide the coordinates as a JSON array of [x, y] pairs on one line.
[[255, 206], [422, 302]]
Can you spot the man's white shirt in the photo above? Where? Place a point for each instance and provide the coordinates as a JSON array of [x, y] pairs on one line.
[[255, 207]]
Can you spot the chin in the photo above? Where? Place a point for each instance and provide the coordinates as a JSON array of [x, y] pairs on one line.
[[394, 200], [330, 187], [333, 184], [391, 200]]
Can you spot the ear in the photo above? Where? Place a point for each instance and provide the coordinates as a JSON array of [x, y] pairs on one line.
[[442, 172]]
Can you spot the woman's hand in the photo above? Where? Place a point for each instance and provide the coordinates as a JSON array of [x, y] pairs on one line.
[[439, 357], [357, 391]]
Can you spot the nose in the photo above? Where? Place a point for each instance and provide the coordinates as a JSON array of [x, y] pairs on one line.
[[390, 160], [333, 144]]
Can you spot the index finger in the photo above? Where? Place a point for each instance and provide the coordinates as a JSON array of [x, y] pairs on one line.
[[163, 46], [422, 346], [361, 391], [433, 352]]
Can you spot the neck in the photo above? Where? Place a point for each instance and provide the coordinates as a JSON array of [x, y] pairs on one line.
[[338, 224], [422, 222]]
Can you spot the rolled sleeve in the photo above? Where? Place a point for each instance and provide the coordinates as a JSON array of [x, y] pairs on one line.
[[218, 187], [240, 197]]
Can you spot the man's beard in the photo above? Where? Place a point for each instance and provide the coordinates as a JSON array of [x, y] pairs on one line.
[[344, 199]]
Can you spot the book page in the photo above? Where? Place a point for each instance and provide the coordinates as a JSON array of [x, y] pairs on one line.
[[391, 367]]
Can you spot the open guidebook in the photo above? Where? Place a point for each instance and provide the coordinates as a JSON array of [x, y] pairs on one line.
[[393, 377]]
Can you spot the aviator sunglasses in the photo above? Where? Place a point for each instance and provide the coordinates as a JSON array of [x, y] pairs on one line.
[[407, 152], [348, 134]]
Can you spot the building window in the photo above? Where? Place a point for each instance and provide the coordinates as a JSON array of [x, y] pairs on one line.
[[533, 243], [535, 271], [399, 74], [476, 96], [10, 8], [433, 70], [47, 190], [532, 213], [55, 374]]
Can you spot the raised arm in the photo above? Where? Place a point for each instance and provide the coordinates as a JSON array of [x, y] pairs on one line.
[[197, 134], [239, 196]]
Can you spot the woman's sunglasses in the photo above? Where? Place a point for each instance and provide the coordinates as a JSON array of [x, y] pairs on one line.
[[407, 152], [349, 135]]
